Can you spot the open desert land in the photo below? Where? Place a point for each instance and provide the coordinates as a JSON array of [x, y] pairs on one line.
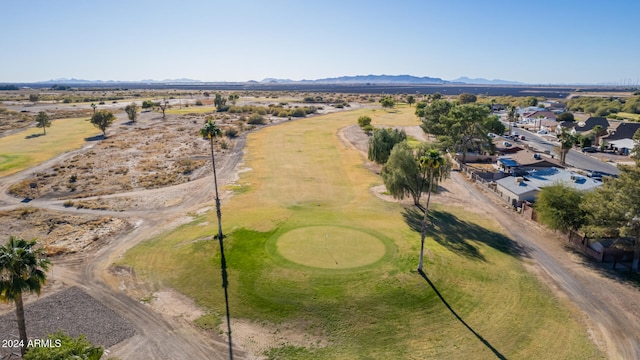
[[321, 262]]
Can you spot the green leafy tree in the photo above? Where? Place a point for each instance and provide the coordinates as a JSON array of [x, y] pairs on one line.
[[42, 121], [102, 119], [23, 267], [436, 168], [635, 152], [434, 116], [405, 175], [466, 98], [65, 348], [632, 105], [34, 98], [531, 101], [148, 104], [558, 207], [382, 142], [614, 208], [364, 121], [411, 100], [94, 106], [465, 129], [494, 125], [387, 102], [565, 116], [132, 111], [402, 174]]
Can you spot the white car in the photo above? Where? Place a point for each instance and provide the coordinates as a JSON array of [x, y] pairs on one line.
[[543, 132]]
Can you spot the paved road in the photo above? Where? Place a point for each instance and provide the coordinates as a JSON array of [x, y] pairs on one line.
[[574, 158]]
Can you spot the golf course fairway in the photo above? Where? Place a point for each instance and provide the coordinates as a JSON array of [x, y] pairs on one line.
[[312, 251]]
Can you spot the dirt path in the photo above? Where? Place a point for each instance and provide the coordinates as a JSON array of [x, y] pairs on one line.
[[158, 336], [611, 309]]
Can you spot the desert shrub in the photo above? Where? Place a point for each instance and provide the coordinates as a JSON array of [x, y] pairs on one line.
[[256, 119], [299, 113], [231, 132], [364, 121]]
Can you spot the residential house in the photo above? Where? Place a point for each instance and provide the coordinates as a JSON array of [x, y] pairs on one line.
[[535, 116], [584, 127], [620, 138], [497, 107], [516, 189], [526, 160], [556, 107]]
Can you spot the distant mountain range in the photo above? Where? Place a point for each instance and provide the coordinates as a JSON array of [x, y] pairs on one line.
[[393, 79], [342, 80], [81, 81], [481, 81]]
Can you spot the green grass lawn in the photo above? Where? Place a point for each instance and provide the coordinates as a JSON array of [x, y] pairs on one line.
[[305, 184], [30, 147]]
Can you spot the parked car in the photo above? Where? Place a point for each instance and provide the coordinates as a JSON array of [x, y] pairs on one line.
[[522, 137], [506, 144], [589, 149], [543, 132]]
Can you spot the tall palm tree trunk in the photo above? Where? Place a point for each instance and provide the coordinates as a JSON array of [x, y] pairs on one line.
[[423, 233], [22, 328], [223, 261]]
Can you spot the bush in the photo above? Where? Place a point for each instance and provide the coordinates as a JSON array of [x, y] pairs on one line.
[[65, 347], [299, 113], [231, 132], [256, 119], [198, 103], [364, 121]]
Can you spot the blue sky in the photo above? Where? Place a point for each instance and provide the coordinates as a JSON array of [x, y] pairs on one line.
[[542, 42]]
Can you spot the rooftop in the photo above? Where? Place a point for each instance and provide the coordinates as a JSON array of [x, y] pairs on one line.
[[538, 179]]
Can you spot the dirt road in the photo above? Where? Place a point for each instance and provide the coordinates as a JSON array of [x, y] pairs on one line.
[[611, 309], [158, 336]]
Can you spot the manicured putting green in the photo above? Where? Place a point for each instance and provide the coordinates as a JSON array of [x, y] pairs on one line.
[[330, 247]]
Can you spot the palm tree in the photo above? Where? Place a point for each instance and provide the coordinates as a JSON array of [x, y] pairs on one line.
[[211, 131], [435, 165], [567, 141], [22, 268], [598, 131]]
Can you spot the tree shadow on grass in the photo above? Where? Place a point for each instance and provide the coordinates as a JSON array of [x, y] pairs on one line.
[[485, 342], [457, 235], [95, 138], [32, 136]]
